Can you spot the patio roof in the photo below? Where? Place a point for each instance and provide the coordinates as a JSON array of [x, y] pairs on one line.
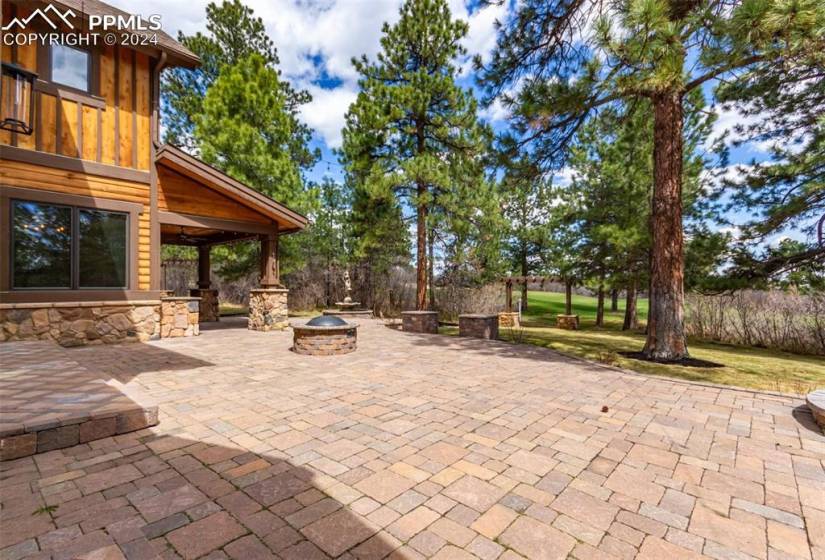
[[254, 213]]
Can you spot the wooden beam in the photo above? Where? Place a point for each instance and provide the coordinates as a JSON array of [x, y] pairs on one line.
[[270, 273], [204, 267]]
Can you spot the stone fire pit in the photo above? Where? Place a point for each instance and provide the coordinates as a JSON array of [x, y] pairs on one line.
[[326, 335]]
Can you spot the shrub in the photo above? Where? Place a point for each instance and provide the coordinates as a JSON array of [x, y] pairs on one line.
[[768, 319]]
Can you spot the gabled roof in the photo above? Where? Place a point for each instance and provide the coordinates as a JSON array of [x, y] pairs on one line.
[[174, 158], [177, 54]]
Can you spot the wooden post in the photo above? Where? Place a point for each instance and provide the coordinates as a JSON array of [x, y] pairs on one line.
[[204, 267], [509, 285], [270, 273]]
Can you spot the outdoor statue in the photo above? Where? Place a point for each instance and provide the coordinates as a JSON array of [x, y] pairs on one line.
[[347, 286]]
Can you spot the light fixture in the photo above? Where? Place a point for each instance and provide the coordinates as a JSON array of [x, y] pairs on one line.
[[17, 99]]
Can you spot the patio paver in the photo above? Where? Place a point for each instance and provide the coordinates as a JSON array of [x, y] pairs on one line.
[[416, 446]]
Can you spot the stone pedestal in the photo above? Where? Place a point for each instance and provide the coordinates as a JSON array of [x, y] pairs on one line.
[[179, 316], [508, 319], [420, 321], [268, 309], [478, 326], [209, 304], [567, 322], [816, 402]]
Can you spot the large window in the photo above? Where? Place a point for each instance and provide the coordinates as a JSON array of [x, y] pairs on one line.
[[56, 246], [70, 67]]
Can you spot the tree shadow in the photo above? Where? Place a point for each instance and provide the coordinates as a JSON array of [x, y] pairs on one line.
[[162, 496]]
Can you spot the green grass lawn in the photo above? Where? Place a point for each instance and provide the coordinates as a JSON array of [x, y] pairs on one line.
[[756, 368]]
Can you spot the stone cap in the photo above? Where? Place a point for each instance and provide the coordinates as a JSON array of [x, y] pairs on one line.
[[419, 313], [269, 290], [303, 326], [180, 298], [479, 316], [59, 304]]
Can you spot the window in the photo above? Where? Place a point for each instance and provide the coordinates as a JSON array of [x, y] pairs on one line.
[[64, 247], [70, 67]]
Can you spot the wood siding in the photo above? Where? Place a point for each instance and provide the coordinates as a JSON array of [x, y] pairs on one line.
[[17, 174], [180, 194], [110, 125]]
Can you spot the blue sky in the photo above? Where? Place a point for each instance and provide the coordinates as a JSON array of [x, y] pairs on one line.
[[316, 40]]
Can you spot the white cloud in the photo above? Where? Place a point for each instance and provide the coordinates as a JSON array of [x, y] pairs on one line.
[[318, 38]]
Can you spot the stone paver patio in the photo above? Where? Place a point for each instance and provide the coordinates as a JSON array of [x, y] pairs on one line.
[[418, 446]]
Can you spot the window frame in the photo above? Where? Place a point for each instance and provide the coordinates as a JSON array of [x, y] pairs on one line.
[[12, 235], [132, 210], [90, 65]]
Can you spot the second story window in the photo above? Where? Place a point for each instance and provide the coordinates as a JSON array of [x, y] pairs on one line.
[[70, 67]]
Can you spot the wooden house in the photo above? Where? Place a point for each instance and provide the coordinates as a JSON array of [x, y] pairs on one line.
[[88, 194]]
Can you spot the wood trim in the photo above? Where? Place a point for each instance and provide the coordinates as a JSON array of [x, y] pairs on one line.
[[5, 244], [36, 195], [73, 164], [70, 94], [188, 220], [57, 296], [203, 173]]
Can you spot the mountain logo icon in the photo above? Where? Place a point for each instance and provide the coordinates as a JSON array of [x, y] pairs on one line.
[[57, 16]]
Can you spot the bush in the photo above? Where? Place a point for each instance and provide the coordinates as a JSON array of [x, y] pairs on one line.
[[769, 319]]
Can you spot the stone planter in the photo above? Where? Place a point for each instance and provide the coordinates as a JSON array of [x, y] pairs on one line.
[[420, 321], [478, 326], [324, 340], [508, 319], [567, 322], [179, 317], [268, 309], [208, 308], [816, 402]]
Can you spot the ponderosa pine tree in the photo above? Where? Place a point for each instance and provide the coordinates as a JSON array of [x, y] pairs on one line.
[[412, 133], [557, 61]]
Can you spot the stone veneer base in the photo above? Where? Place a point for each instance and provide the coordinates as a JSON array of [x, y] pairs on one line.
[[208, 308], [420, 321], [179, 317], [324, 341], [81, 323], [268, 309]]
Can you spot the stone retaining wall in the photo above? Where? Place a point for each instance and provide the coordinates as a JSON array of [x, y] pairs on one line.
[[179, 317], [81, 323], [268, 309]]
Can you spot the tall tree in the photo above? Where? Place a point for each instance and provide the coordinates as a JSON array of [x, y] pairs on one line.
[[412, 131], [567, 58]]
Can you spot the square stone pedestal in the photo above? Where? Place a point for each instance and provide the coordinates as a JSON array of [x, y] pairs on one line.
[[508, 319], [420, 321], [268, 309], [179, 317], [478, 326], [209, 304], [567, 322]]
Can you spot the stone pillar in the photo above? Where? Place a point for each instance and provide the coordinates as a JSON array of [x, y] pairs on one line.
[[478, 326], [268, 309], [179, 316], [508, 319], [567, 322], [208, 308], [420, 321]]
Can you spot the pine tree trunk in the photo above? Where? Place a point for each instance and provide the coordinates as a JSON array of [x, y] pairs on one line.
[[524, 271], [614, 300], [430, 261], [568, 297], [630, 317], [421, 251], [600, 307], [665, 330]]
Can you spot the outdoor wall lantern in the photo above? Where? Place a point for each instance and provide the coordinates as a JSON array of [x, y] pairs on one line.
[[17, 99]]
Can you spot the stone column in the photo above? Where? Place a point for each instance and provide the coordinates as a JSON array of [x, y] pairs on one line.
[[179, 317], [420, 321], [268, 309], [209, 298]]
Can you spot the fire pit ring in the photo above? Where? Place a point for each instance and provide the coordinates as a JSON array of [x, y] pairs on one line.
[[325, 335]]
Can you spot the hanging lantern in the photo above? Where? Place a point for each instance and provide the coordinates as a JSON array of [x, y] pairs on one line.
[[17, 99]]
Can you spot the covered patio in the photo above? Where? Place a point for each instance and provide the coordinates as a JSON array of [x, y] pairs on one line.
[[201, 207]]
